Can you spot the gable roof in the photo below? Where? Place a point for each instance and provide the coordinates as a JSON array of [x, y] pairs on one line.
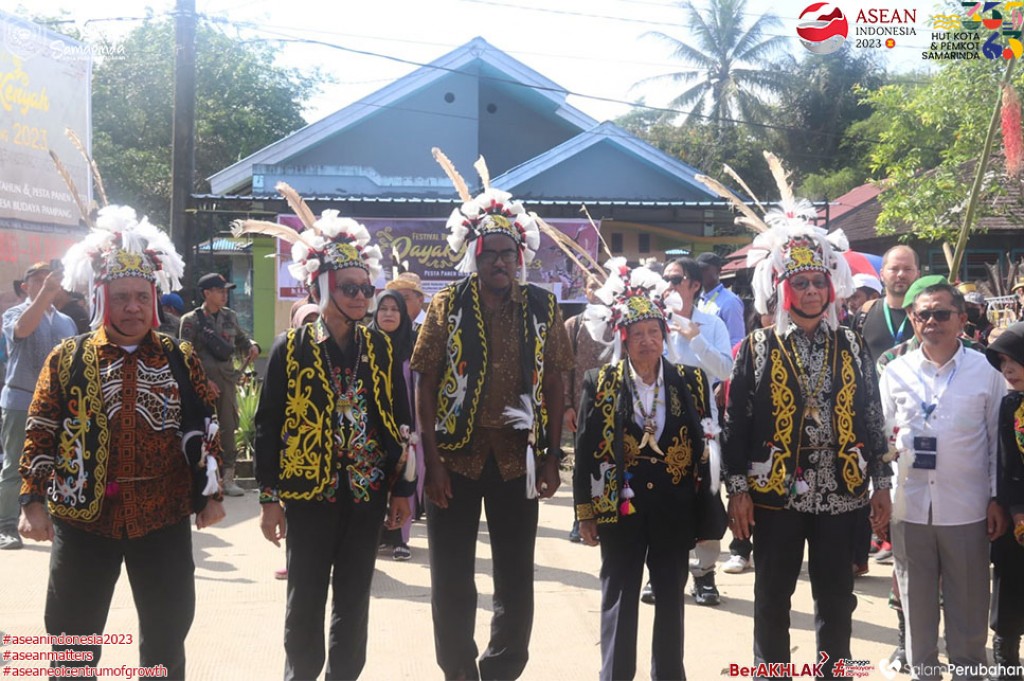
[[239, 174], [604, 132]]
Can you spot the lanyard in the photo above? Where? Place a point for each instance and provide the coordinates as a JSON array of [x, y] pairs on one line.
[[897, 336], [712, 299]]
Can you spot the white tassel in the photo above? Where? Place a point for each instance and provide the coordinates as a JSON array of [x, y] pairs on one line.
[[410, 441], [522, 419], [531, 471], [212, 483]]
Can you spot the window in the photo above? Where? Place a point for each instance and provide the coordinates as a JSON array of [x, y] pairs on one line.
[[616, 242], [644, 243]]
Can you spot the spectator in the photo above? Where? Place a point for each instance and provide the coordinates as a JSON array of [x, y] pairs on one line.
[[885, 323], [172, 307], [718, 300], [30, 331], [408, 285], [214, 331], [867, 287]]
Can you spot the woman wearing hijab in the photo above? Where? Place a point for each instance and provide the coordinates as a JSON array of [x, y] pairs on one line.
[[392, 318]]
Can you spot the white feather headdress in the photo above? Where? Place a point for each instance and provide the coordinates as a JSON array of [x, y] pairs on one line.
[[328, 243], [787, 242], [493, 211], [628, 296]]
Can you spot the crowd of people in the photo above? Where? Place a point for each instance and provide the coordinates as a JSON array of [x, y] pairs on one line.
[[851, 414]]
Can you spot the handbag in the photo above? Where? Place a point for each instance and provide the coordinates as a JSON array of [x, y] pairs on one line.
[[211, 340]]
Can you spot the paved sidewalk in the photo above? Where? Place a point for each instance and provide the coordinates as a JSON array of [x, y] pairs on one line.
[[238, 628]]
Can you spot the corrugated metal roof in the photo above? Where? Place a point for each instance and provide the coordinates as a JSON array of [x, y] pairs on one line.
[[224, 245], [453, 202]]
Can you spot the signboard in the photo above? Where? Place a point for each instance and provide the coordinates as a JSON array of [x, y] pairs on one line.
[[422, 245], [45, 82]]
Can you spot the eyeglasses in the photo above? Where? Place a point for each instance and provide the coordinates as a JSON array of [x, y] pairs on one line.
[[488, 257], [676, 280], [820, 283], [353, 290], [940, 315]]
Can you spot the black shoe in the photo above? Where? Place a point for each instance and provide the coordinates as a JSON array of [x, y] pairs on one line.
[[704, 590], [574, 533], [647, 593]]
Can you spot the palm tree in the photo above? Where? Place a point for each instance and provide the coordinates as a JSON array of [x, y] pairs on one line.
[[732, 69]]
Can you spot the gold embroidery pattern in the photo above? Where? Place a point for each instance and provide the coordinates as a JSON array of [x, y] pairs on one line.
[[72, 448], [783, 409], [679, 456], [381, 375], [540, 423], [306, 432], [675, 404], [630, 449], [848, 452]]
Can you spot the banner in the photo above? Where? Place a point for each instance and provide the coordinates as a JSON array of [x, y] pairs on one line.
[[45, 81], [421, 247]]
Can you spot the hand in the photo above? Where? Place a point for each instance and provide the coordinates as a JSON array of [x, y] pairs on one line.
[[588, 532], [1018, 520], [211, 514], [570, 419], [687, 329], [35, 522], [996, 520], [437, 484], [720, 396], [51, 285], [254, 352], [881, 513], [213, 388], [398, 513], [272, 523], [549, 479], [741, 515]]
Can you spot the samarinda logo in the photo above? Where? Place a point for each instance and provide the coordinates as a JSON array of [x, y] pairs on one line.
[[823, 28], [22, 39]]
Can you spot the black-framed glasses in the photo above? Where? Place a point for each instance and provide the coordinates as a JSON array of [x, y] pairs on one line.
[[353, 290], [939, 315], [676, 280], [820, 283], [488, 257]]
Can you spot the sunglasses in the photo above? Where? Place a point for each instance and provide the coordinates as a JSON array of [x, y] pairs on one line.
[[353, 290], [676, 280], [820, 283], [488, 257], [940, 315]]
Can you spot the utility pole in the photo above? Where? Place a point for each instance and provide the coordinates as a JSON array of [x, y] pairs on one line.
[[183, 131]]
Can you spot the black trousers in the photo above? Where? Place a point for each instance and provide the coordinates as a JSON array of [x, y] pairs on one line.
[[778, 556], [1007, 614], [659, 534], [452, 534], [335, 545], [84, 568], [862, 536]]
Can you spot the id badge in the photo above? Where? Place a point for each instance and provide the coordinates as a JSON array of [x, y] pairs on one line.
[[925, 449]]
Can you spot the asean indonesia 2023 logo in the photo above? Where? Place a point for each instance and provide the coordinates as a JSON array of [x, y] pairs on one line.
[[822, 28]]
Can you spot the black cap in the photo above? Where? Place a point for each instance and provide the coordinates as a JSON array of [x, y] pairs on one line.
[[1010, 343], [711, 260], [213, 280]]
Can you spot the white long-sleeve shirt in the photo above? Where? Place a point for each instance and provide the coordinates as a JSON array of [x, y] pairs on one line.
[[966, 392], [710, 351]]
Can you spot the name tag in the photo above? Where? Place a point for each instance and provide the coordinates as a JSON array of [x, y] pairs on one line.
[[925, 449]]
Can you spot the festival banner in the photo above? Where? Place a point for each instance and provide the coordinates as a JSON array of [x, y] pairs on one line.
[[45, 80], [421, 247]]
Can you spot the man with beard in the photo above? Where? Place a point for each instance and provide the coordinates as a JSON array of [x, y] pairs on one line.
[[490, 355], [885, 324]]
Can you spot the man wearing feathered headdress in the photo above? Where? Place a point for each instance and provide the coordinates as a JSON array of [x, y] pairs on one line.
[[331, 443], [642, 472], [120, 435], [803, 438], [490, 353]]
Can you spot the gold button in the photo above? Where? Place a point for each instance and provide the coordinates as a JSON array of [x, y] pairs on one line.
[[650, 485]]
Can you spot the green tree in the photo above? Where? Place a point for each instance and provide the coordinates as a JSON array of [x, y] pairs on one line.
[[243, 103], [731, 64], [930, 138]]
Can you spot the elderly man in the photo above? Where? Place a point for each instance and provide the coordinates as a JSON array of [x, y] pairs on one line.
[[943, 400], [112, 414], [409, 286], [30, 331], [884, 323], [214, 330], [490, 346], [803, 442], [331, 446], [641, 474]]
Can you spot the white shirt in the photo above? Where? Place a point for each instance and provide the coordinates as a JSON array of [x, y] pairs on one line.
[[710, 351], [645, 396], [966, 392]]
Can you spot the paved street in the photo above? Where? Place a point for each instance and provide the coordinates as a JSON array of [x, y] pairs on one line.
[[238, 628]]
